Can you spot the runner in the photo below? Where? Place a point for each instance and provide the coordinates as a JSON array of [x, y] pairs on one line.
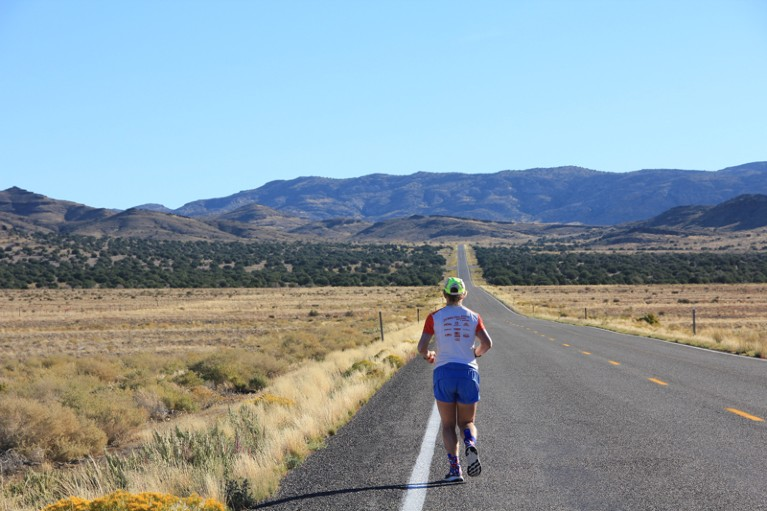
[[456, 373]]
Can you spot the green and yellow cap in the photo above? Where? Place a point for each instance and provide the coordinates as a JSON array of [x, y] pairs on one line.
[[455, 286]]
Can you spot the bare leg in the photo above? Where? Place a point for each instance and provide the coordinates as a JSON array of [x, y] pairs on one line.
[[466, 415], [448, 414]]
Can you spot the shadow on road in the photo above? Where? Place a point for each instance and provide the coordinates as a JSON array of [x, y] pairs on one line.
[[348, 491]]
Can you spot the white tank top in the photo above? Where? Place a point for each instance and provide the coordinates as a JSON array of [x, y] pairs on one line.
[[454, 328]]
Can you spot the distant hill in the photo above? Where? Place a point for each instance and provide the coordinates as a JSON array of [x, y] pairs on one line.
[[554, 195], [254, 221], [28, 211], [35, 212], [135, 223], [154, 207], [335, 229], [741, 213], [260, 215], [728, 219]]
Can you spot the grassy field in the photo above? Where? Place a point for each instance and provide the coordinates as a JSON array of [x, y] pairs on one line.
[[172, 321], [727, 317], [210, 391]]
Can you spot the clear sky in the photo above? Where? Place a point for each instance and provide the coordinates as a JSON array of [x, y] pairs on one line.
[[116, 103]]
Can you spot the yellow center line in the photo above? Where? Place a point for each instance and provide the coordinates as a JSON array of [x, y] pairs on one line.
[[565, 345], [659, 382], [613, 362], [586, 352], [744, 414]]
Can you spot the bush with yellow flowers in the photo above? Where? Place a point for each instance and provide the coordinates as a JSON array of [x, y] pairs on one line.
[[124, 501]]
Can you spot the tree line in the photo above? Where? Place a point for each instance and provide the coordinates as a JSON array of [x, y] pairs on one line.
[[52, 261], [504, 266]]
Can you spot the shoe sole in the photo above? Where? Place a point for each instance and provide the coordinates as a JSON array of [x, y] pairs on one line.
[[473, 467], [454, 479]]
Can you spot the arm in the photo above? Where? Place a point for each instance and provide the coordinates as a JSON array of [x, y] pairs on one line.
[[423, 348], [485, 343]]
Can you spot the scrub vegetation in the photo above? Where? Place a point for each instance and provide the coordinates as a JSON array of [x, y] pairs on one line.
[[53, 261], [184, 391], [505, 266]]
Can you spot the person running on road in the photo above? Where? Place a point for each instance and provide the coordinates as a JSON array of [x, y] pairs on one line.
[[456, 373]]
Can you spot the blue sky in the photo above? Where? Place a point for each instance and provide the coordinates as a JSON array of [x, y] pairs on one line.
[[124, 102]]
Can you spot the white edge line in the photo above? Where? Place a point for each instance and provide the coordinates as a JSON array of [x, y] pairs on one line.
[[672, 343], [419, 478]]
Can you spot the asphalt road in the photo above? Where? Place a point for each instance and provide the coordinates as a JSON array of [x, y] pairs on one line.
[[571, 418]]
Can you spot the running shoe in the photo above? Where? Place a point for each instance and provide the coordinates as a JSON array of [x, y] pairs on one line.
[[455, 474], [473, 468]]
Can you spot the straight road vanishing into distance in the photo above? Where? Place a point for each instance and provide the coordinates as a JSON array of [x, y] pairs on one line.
[[570, 418]]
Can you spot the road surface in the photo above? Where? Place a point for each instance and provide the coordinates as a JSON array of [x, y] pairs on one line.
[[571, 418]]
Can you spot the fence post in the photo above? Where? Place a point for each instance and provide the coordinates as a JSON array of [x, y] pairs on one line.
[[380, 322], [694, 325]]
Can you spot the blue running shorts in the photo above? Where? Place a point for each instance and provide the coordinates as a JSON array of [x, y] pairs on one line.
[[456, 383]]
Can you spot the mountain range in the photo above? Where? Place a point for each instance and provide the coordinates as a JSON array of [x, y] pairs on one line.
[[511, 205], [553, 195]]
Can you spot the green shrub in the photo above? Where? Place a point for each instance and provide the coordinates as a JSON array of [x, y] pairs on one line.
[[256, 383], [188, 379], [239, 495], [214, 370], [236, 370], [650, 319], [177, 399], [365, 367]]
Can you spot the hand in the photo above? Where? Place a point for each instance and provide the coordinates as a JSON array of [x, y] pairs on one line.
[[431, 356]]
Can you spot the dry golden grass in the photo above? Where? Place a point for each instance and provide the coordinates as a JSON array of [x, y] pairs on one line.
[[92, 351], [729, 317], [254, 440], [107, 322], [120, 357]]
